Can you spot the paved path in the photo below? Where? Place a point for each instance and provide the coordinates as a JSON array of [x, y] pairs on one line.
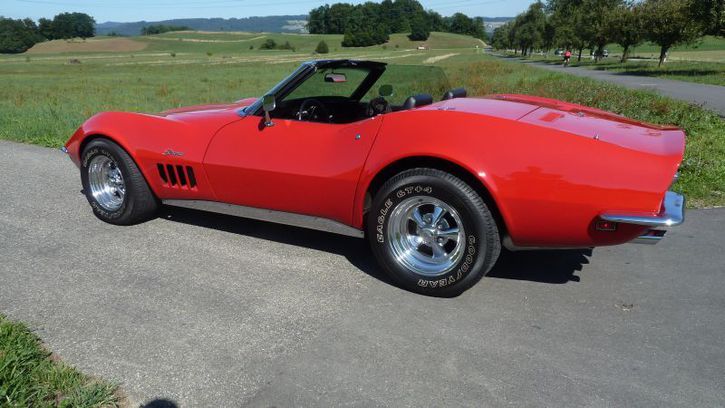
[[711, 97], [208, 310]]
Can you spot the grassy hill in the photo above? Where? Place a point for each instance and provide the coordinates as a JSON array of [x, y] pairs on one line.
[[231, 43]]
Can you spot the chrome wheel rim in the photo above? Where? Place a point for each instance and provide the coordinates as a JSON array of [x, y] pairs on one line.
[[426, 235], [106, 183]]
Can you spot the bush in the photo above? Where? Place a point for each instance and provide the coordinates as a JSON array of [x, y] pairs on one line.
[[286, 46], [322, 48], [269, 44], [360, 38], [251, 47], [209, 54]]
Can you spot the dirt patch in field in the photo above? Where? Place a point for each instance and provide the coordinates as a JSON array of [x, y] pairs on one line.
[[433, 60], [202, 40], [89, 45]]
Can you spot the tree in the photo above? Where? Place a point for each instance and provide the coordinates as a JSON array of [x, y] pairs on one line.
[[598, 14], [711, 13], [626, 27], [45, 28], [528, 28], [436, 22], [670, 23], [371, 23], [419, 29], [501, 38], [317, 21], [162, 28], [18, 36], [322, 48], [72, 25], [570, 25]]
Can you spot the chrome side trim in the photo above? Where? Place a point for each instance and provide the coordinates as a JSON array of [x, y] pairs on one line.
[[279, 217], [673, 214]]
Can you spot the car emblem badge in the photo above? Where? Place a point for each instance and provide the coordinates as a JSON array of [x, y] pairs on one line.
[[170, 152]]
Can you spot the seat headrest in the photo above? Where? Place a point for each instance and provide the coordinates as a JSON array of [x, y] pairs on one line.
[[455, 93], [417, 101]]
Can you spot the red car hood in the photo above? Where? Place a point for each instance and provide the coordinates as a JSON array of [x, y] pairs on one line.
[[220, 113]]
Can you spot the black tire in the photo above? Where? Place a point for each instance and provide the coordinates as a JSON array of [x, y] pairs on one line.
[[139, 203], [481, 241]]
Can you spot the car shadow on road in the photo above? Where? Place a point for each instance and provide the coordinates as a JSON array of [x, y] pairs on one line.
[[160, 403], [545, 266], [553, 267], [355, 250]]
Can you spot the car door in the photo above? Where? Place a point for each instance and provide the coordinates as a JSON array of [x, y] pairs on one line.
[[294, 166]]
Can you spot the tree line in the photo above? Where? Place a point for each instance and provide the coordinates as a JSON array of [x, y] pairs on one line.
[[592, 24], [372, 23], [162, 28], [18, 36]]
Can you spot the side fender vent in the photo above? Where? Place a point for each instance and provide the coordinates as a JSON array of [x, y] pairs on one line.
[[177, 176]]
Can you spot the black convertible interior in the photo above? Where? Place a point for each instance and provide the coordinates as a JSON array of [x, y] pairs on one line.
[[342, 91]]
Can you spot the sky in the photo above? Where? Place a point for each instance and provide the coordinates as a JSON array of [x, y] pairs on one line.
[[154, 10]]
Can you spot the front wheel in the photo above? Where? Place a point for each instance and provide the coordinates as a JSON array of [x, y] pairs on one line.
[[432, 232], [114, 185]]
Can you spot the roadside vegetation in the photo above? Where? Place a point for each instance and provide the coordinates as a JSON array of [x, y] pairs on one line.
[[712, 73], [702, 62], [593, 25], [30, 376]]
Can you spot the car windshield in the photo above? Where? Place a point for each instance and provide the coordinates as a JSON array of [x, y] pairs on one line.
[[356, 84], [331, 82], [408, 80]]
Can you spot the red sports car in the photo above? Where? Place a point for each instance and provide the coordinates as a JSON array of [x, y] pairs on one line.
[[436, 187]]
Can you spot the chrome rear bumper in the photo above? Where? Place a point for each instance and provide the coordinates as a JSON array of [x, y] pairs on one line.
[[673, 214]]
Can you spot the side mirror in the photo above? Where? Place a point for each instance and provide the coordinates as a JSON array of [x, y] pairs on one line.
[[385, 90], [335, 78], [269, 103]]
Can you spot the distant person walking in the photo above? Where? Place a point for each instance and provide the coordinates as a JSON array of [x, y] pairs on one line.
[[567, 58]]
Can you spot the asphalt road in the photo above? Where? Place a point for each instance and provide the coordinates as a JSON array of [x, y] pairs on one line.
[[208, 310], [710, 97]]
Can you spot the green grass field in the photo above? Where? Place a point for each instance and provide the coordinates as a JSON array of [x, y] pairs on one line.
[[44, 98], [30, 377]]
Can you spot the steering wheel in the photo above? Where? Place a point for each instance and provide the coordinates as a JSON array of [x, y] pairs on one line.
[[310, 108]]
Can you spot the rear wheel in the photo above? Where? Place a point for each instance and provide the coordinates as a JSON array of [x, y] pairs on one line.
[[432, 232], [114, 185]]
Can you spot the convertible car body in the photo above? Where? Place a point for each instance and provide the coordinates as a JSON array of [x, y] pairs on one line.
[[323, 150]]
